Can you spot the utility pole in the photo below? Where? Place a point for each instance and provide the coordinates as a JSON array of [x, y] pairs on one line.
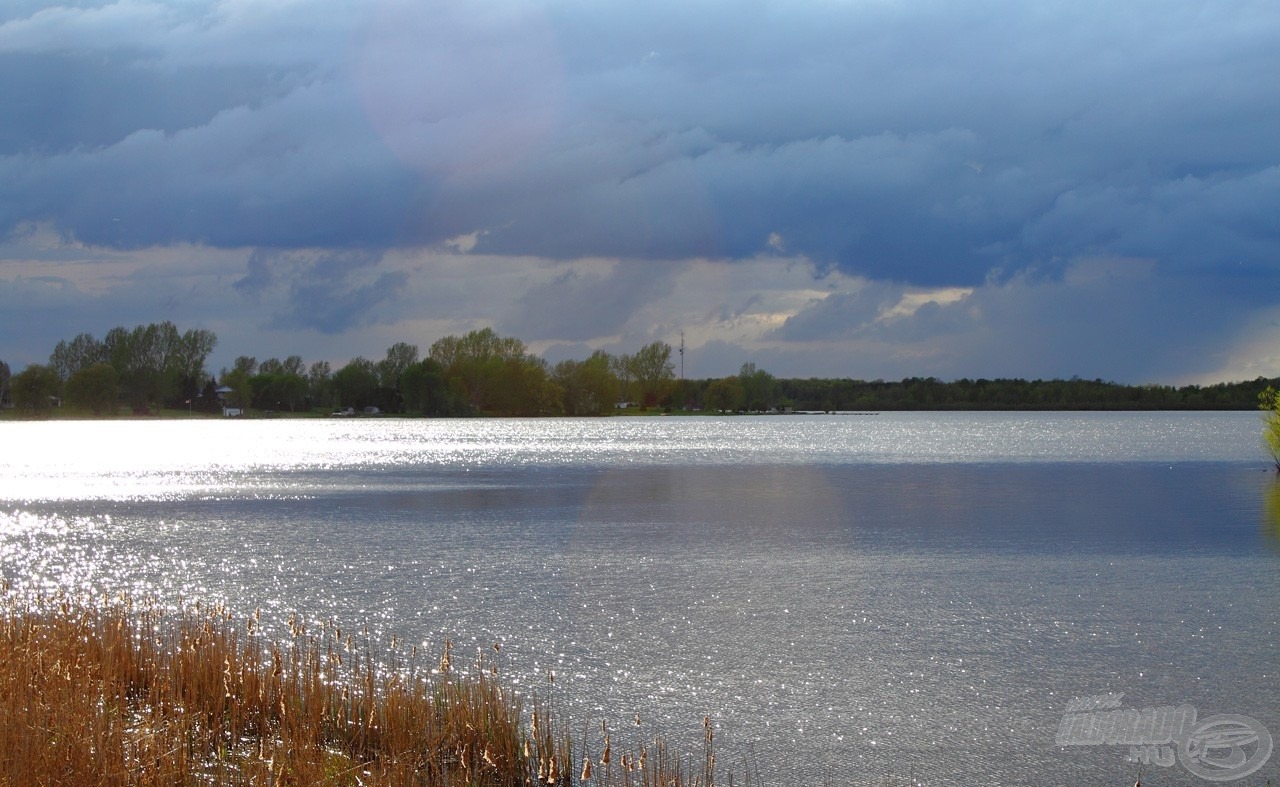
[[682, 356], [684, 393]]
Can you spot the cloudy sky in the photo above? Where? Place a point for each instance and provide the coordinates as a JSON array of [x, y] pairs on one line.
[[834, 188]]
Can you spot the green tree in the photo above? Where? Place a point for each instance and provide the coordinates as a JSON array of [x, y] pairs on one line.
[[320, 384], [1269, 403], [589, 387], [185, 364], [724, 395], [653, 372], [156, 363], [757, 388], [145, 379], [247, 364], [522, 387], [81, 352], [426, 390], [356, 383], [400, 356], [94, 388], [278, 390], [241, 385], [35, 388], [495, 373], [294, 365], [623, 368], [4, 382], [484, 343], [269, 366]]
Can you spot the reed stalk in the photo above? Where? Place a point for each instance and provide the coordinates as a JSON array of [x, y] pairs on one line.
[[119, 692]]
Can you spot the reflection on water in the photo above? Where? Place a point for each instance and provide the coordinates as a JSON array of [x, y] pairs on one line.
[[1271, 508], [862, 621], [113, 460]]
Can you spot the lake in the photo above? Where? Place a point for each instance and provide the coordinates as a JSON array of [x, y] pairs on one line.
[[902, 598]]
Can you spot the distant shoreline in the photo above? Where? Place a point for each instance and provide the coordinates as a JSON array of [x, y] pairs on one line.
[[67, 414]]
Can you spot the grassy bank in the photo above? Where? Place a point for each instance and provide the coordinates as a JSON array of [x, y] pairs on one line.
[[128, 693]]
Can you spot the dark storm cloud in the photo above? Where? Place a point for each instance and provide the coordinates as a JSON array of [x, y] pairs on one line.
[[918, 141], [245, 178], [905, 146], [328, 292], [840, 314], [259, 275], [922, 142], [38, 309], [70, 100], [1222, 223], [577, 306], [1113, 318]]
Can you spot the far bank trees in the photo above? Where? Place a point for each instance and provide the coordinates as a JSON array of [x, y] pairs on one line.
[[483, 373], [724, 395], [497, 374], [35, 389], [587, 387], [154, 364], [648, 376], [428, 391], [280, 385], [95, 388]]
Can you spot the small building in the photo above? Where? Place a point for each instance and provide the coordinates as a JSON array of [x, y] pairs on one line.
[[223, 391]]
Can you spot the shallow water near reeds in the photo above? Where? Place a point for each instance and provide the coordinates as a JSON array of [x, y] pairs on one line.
[[861, 599]]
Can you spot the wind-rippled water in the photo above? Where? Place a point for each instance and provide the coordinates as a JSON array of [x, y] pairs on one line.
[[866, 599]]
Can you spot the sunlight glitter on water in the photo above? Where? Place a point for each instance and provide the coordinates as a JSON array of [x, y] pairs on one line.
[[130, 459], [913, 596]]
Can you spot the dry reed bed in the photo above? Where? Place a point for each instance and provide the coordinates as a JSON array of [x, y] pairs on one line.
[[97, 692]]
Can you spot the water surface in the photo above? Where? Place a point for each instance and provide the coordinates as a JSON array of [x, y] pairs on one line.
[[867, 599]]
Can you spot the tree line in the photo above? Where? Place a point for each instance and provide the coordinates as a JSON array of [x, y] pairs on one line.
[[754, 390], [479, 373], [156, 366], [482, 373], [1017, 394], [143, 367]]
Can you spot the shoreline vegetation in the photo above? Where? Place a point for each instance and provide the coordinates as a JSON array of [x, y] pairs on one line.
[[122, 691], [157, 369], [798, 397]]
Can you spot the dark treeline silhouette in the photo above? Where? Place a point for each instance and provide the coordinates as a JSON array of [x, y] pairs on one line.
[[482, 373], [753, 390], [144, 367], [1015, 394]]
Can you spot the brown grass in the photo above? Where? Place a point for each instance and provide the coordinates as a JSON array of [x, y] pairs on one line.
[[115, 692]]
